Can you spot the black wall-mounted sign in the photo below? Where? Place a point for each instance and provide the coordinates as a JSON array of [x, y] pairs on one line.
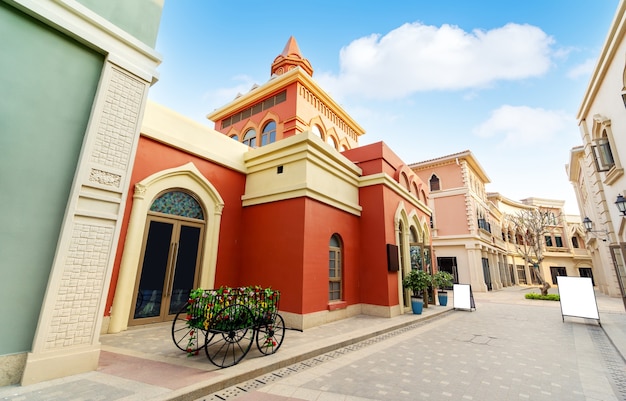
[[393, 264]]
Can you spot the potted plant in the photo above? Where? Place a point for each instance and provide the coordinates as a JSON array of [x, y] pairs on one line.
[[442, 280], [418, 282]]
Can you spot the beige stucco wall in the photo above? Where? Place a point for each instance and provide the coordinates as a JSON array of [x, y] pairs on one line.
[[302, 165], [602, 109]]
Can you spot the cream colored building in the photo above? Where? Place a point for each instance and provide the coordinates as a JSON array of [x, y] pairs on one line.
[[472, 238], [595, 168]]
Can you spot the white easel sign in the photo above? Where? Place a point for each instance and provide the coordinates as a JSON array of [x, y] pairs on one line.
[[463, 297], [577, 297]]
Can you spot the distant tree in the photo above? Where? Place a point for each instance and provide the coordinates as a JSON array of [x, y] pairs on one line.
[[531, 227]]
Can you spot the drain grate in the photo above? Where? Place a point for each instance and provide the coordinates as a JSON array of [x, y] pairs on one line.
[[254, 384], [615, 363]]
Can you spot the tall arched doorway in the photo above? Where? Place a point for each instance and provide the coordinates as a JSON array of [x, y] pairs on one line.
[[170, 256], [141, 214]]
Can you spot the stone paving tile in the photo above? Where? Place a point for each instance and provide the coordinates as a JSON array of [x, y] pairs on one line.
[[531, 356]]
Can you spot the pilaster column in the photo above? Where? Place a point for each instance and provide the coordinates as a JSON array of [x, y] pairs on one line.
[[67, 338]]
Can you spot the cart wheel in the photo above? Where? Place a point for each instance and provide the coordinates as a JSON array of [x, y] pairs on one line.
[[270, 336], [188, 339], [230, 335]]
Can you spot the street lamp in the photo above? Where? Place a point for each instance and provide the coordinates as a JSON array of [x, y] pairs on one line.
[[621, 204], [588, 224]]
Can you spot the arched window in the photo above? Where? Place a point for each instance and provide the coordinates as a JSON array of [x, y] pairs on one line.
[[602, 153], [316, 130], [404, 181], [401, 243], [331, 141], [269, 133], [178, 203], [235, 137], [434, 183], [334, 269], [415, 250], [250, 138]]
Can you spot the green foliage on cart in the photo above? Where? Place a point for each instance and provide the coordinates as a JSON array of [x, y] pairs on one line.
[[216, 309]]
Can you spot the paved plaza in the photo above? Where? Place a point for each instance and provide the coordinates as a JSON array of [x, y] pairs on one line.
[[500, 352], [509, 348]]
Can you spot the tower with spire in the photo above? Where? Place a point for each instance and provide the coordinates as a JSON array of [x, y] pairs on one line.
[[289, 103], [289, 59]]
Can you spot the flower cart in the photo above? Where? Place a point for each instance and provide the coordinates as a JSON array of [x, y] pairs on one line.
[[226, 321]]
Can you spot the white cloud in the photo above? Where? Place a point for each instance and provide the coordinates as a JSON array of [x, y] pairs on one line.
[[417, 57], [584, 69], [523, 125], [221, 96]]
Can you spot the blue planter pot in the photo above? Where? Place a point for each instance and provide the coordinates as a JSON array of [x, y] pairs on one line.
[[417, 305], [443, 299]]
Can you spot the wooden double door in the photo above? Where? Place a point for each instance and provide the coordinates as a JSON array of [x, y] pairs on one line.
[[170, 257]]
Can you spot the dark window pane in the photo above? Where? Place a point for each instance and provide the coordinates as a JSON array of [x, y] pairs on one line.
[[268, 103], [153, 270], [434, 183], [281, 97], [603, 155], [257, 108], [184, 274]]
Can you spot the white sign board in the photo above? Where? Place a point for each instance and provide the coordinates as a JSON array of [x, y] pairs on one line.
[[462, 296], [577, 297]]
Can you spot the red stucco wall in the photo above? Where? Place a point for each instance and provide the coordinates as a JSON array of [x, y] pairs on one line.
[[286, 244]]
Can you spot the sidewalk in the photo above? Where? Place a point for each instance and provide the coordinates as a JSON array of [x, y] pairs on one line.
[[143, 364], [611, 310]]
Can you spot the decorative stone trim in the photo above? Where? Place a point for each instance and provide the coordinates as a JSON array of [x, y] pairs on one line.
[[76, 306], [105, 178]]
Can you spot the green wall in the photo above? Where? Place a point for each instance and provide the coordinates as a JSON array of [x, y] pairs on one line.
[[140, 18], [47, 87]]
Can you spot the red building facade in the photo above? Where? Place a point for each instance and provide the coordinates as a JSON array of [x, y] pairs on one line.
[[281, 196]]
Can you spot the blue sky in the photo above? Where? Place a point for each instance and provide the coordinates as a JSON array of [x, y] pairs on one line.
[[503, 79]]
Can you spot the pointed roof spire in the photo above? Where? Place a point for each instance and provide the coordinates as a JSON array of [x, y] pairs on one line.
[[290, 58]]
